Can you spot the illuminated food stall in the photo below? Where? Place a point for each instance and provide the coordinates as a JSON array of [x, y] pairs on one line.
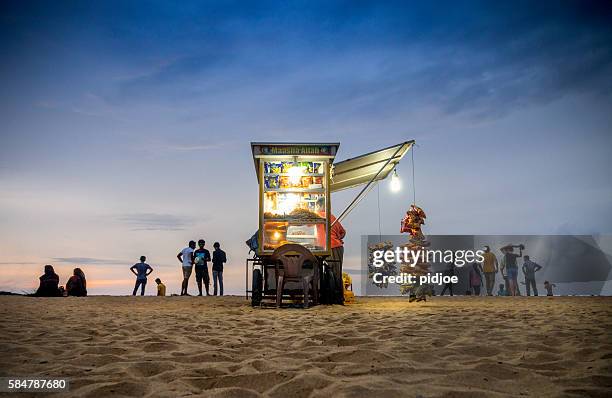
[[295, 185], [294, 195]]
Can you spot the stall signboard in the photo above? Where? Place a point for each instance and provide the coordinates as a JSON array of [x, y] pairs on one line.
[[294, 195]]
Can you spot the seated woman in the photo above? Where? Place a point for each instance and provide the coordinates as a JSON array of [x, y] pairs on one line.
[[49, 282], [77, 284]]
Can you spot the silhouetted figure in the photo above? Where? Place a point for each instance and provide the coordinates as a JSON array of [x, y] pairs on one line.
[[449, 271], [202, 257], [77, 284], [475, 279], [502, 291], [186, 258], [337, 234], [49, 282], [161, 288], [512, 267], [490, 268], [141, 270], [549, 288], [218, 259], [529, 270]]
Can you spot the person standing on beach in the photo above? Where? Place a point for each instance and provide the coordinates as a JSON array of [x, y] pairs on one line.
[[512, 267], [186, 258], [141, 270], [218, 259], [202, 257], [475, 279], [450, 272], [529, 270], [490, 269], [337, 235]]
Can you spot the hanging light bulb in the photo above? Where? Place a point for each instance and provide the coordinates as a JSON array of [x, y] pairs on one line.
[[395, 182]]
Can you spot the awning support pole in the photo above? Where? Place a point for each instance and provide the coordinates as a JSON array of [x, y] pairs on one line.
[[365, 189]]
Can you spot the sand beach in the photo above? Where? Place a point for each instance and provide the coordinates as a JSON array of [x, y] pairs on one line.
[[379, 347]]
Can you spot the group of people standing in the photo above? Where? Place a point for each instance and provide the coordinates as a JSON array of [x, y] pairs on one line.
[[509, 270], [508, 265], [191, 258]]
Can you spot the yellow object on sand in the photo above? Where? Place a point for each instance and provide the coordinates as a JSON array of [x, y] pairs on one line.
[[347, 282]]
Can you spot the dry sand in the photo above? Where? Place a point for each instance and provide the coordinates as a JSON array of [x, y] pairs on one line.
[[185, 346]]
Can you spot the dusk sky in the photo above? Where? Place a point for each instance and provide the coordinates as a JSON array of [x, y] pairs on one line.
[[126, 126]]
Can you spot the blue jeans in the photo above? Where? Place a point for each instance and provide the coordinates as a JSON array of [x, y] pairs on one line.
[[218, 275], [142, 283]]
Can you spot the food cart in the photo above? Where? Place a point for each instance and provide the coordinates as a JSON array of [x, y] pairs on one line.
[[295, 185]]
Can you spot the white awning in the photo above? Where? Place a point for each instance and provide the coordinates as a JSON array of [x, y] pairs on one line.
[[362, 169]]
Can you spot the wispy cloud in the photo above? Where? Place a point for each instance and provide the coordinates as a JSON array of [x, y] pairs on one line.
[[196, 146], [154, 221], [87, 260]]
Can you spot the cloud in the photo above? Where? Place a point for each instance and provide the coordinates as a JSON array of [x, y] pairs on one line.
[[154, 221], [87, 260], [162, 147], [478, 58]]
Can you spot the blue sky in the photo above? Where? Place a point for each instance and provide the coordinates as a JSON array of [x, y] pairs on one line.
[[126, 125]]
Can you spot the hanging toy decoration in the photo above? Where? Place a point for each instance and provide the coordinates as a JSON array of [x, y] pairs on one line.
[[411, 224]]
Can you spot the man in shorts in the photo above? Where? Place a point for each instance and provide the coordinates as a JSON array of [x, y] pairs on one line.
[[202, 257], [186, 258], [512, 267]]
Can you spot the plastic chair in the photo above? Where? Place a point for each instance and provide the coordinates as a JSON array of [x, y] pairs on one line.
[[292, 257]]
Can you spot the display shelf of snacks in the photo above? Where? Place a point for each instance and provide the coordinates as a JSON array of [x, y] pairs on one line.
[[294, 198]]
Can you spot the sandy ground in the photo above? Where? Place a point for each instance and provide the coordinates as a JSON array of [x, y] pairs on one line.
[[185, 346]]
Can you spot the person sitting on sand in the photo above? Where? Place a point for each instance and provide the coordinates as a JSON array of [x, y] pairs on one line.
[[49, 282], [77, 284], [141, 270], [502, 290], [161, 288], [186, 258], [549, 288], [218, 259]]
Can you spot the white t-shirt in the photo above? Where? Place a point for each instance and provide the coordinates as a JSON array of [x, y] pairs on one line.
[[187, 252]]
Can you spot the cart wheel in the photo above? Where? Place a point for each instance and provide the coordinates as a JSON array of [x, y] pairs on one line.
[[256, 288]]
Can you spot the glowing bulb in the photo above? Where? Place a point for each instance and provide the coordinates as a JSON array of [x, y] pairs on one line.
[[395, 182], [276, 235], [295, 174]]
